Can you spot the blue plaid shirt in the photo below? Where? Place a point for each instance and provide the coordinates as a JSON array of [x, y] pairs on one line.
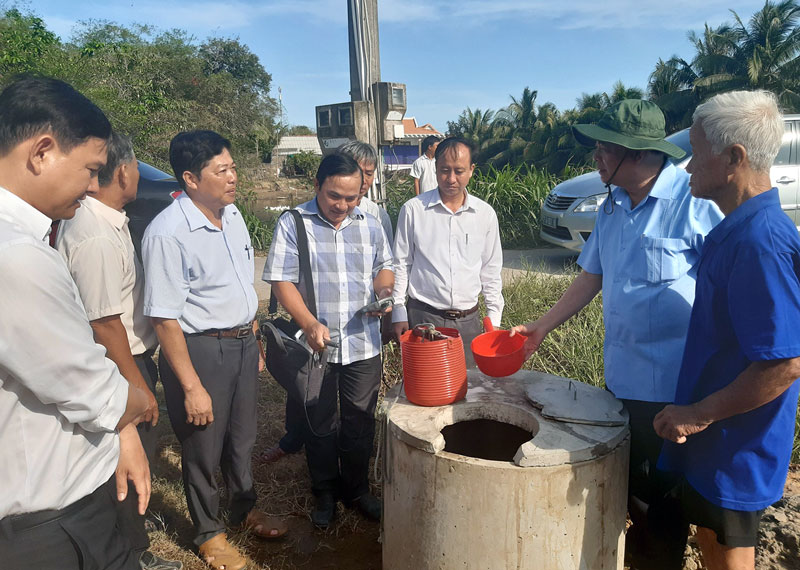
[[343, 264]]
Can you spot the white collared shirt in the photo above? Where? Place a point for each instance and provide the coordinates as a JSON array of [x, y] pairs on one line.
[[446, 259], [197, 273], [369, 207], [98, 249], [424, 168], [60, 398]]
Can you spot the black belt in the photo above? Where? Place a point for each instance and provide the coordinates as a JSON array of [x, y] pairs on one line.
[[243, 331], [26, 521], [451, 314]]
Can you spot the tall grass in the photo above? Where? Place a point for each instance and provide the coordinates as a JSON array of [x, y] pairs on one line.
[[260, 230], [515, 193]]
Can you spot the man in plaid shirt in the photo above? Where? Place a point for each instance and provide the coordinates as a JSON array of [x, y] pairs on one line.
[[350, 265]]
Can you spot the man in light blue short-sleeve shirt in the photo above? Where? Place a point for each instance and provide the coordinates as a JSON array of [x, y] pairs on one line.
[[641, 254]]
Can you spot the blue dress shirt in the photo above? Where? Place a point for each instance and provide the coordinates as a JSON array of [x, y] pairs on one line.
[[646, 257], [197, 273], [747, 309]]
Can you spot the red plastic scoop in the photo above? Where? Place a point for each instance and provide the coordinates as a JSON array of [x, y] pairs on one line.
[[496, 353]]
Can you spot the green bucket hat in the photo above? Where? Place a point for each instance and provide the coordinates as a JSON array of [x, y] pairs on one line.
[[633, 123]]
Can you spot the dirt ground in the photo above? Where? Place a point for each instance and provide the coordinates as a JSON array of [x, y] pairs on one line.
[[353, 542]]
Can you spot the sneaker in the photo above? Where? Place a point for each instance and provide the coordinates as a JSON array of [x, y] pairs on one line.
[[369, 506], [149, 561], [324, 511]]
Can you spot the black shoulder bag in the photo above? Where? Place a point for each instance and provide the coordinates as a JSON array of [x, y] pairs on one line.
[[292, 363]]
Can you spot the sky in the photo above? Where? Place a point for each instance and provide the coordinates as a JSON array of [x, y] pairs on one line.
[[451, 54]]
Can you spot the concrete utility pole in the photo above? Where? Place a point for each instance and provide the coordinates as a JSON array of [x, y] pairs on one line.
[[365, 56], [365, 71]]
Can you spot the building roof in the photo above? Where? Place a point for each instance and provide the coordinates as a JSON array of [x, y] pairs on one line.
[[294, 144], [414, 131]]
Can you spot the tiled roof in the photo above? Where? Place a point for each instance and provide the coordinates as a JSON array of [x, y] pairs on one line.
[[412, 130]]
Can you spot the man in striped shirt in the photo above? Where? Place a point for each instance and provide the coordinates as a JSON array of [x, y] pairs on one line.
[[351, 266]]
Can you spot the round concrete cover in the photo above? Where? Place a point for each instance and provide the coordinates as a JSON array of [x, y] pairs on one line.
[[576, 402]]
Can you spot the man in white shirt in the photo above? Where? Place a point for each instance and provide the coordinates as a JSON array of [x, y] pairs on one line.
[[423, 170], [447, 252], [199, 268], [97, 246], [67, 413]]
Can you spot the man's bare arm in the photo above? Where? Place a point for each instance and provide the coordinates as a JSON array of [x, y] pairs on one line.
[[110, 332], [198, 403], [758, 384]]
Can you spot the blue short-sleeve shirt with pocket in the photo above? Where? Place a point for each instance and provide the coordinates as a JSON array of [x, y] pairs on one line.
[[646, 256], [747, 309]]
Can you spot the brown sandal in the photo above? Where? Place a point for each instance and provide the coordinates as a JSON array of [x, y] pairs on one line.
[[221, 554], [263, 525]]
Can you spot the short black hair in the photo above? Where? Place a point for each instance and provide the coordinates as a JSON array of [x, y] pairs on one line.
[[37, 105], [337, 164], [428, 142], [451, 143], [193, 150], [120, 151]]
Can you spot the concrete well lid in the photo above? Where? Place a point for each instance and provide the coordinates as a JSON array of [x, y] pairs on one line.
[[555, 442]]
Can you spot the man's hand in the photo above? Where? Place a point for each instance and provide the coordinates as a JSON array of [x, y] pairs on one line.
[[535, 334], [199, 410], [132, 466], [316, 335], [399, 329], [676, 423], [384, 293], [151, 414]]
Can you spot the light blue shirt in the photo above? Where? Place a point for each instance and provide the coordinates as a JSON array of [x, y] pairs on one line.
[[647, 258], [197, 273], [344, 262]]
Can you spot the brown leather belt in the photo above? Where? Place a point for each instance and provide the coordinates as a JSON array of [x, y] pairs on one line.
[[236, 332], [451, 314]]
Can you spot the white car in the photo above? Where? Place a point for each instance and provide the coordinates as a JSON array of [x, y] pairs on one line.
[[569, 211]]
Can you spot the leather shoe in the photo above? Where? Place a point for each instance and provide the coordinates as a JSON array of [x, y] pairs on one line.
[[369, 506], [324, 511]]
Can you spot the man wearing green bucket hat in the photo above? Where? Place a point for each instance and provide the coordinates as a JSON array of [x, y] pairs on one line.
[[641, 254]]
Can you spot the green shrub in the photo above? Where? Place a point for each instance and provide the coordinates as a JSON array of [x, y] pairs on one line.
[[517, 194], [260, 230], [304, 163]]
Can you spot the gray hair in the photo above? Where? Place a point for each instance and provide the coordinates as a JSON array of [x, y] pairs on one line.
[[360, 152], [749, 118], [120, 151]]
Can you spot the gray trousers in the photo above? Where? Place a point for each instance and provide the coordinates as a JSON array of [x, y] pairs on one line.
[[228, 369], [469, 326]]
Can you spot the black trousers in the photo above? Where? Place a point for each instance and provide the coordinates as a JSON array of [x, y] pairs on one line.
[[658, 536], [228, 369], [81, 536], [338, 452], [130, 521], [469, 326]]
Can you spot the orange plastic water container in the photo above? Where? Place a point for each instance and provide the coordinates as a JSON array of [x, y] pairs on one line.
[[496, 353], [434, 371]]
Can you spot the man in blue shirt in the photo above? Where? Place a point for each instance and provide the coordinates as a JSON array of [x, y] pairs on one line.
[[641, 254], [731, 431], [350, 266], [199, 293]]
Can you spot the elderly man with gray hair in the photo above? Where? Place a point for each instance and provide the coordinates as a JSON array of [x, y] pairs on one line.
[[731, 429], [97, 247]]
